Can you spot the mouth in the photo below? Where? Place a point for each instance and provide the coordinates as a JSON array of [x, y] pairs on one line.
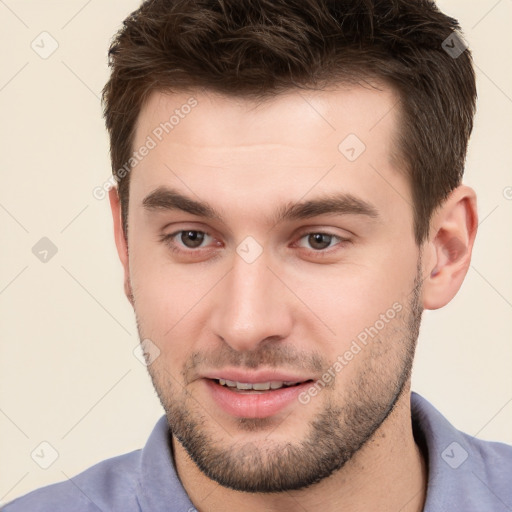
[[257, 386], [259, 396]]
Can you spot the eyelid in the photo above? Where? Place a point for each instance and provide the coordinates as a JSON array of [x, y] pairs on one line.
[[211, 228], [331, 230], [186, 225]]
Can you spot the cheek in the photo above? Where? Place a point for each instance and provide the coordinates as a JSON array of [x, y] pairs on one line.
[[351, 298], [171, 301], [165, 320]]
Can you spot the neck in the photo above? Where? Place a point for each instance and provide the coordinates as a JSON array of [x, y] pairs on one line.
[[388, 473]]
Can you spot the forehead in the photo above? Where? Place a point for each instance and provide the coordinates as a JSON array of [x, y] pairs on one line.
[[237, 151], [305, 116]]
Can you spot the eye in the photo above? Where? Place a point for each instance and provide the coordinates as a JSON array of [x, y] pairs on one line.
[[320, 241], [192, 239], [189, 238]]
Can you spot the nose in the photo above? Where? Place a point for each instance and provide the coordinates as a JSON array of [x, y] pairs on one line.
[[252, 306]]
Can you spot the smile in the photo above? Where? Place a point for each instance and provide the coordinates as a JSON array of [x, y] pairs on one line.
[[256, 386], [262, 399]]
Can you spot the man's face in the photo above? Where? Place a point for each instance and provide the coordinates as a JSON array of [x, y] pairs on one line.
[[261, 288]]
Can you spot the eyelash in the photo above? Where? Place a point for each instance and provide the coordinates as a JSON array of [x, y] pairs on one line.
[[168, 239]]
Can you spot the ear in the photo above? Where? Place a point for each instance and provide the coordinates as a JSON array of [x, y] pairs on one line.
[[121, 242], [449, 247]]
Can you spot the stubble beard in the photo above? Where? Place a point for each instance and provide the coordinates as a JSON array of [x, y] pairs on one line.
[[333, 437]]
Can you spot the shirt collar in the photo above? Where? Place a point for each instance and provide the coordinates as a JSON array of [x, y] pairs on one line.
[[159, 488], [456, 467]]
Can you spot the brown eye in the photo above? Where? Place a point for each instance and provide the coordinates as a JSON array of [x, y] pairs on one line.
[[319, 241], [192, 239]]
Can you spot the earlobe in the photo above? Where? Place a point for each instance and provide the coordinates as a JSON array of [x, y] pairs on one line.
[[121, 243], [449, 248]]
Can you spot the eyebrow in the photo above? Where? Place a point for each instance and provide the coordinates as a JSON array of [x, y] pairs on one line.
[[168, 199], [164, 198]]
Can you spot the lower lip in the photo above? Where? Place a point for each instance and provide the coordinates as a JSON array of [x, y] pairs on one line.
[[259, 404]]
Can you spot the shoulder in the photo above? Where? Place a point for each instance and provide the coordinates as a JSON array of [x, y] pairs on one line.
[[108, 485], [465, 473], [140, 480], [478, 474], [492, 462]]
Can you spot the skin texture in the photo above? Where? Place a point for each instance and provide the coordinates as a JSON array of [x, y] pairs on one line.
[[296, 307]]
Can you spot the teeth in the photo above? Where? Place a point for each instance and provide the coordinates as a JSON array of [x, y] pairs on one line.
[[261, 386], [257, 386]]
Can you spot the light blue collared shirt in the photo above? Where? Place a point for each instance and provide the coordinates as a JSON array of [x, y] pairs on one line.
[[465, 474]]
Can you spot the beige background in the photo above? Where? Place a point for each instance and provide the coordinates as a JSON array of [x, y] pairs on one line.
[[68, 374]]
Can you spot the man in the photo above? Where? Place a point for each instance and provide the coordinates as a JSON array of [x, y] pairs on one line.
[[288, 201]]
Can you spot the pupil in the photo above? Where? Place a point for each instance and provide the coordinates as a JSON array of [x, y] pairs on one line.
[[319, 240], [192, 239]]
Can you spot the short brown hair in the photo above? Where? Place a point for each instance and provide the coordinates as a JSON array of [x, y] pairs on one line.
[[259, 48]]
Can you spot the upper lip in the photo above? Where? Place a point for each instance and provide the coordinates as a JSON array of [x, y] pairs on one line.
[[255, 377]]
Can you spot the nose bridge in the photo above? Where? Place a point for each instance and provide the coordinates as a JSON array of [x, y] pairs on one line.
[[250, 307]]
